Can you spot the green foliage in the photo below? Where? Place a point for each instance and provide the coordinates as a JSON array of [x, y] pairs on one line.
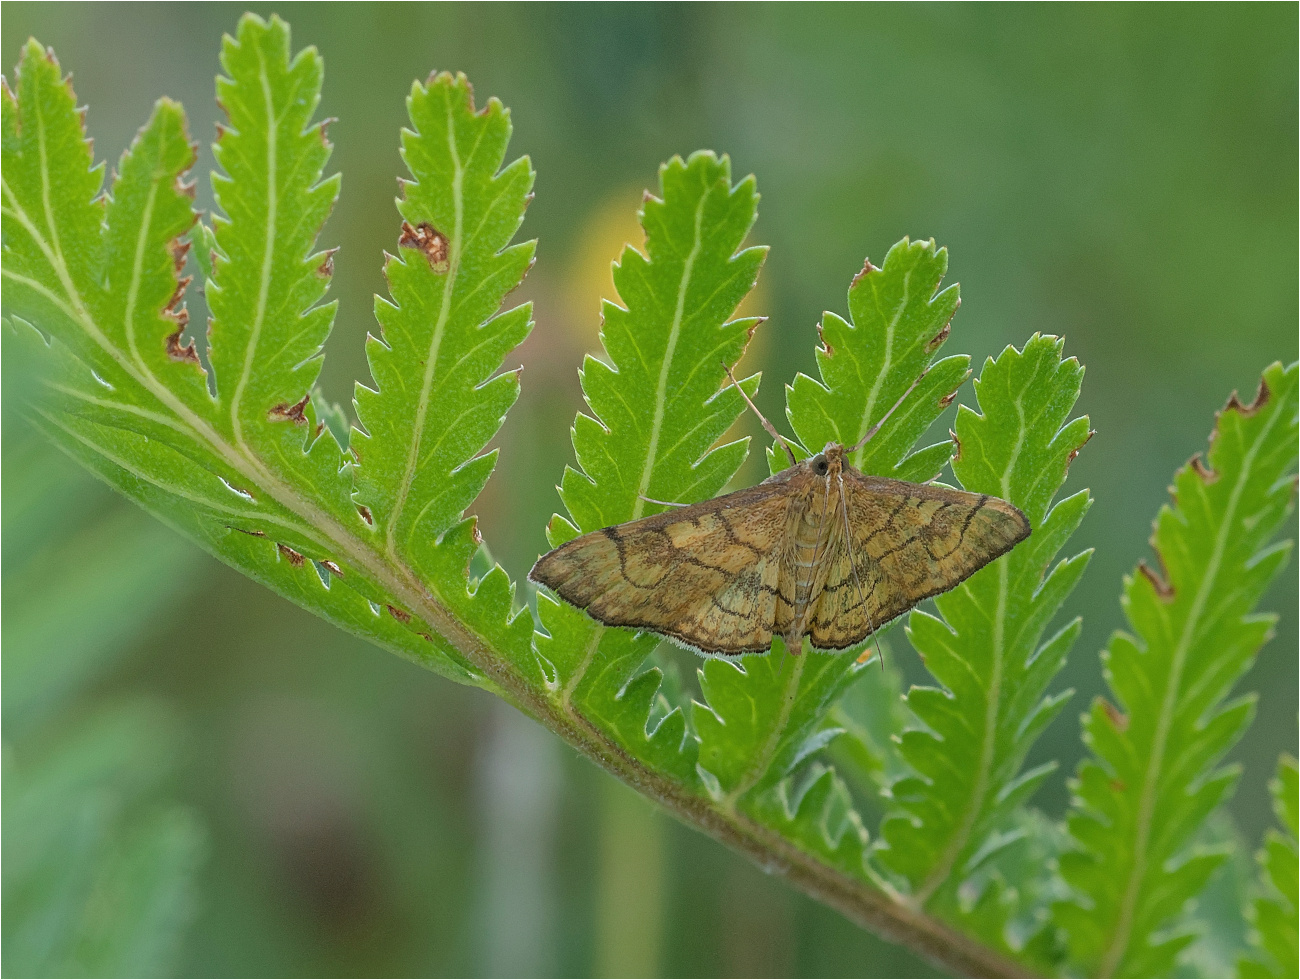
[[899, 321], [1152, 781], [765, 716], [786, 758], [1274, 940], [987, 650], [250, 471]]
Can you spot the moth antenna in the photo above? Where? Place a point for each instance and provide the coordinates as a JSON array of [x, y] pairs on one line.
[[661, 503], [885, 418], [766, 424]]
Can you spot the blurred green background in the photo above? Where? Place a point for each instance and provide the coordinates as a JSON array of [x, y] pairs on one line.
[[261, 794]]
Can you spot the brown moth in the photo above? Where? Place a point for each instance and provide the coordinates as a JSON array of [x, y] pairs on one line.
[[819, 549]]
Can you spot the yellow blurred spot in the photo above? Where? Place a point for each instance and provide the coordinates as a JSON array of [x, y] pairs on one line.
[[612, 225]]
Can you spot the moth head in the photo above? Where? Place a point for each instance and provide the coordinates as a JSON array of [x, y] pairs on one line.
[[829, 462]]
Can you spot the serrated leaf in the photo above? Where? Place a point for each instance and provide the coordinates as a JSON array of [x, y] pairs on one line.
[[659, 406], [248, 467], [899, 318], [986, 645], [813, 808], [439, 398], [1274, 939], [871, 712], [1152, 780]]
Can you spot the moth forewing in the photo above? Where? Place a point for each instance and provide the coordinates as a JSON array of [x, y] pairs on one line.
[[704, 576], [819, 549]]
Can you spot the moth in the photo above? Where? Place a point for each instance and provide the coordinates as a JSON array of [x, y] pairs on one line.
[[818, 550]]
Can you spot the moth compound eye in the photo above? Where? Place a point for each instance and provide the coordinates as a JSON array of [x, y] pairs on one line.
[[820, 466]]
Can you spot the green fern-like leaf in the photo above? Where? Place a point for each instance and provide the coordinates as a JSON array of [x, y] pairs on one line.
[[986, 645], [1152, 782], [246, 465], [658, 406], [420, 460], [1274, 940]]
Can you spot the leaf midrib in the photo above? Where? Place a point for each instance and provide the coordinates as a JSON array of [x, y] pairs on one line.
[[861, 903], [268, 253], [890, 326], [674, 332], [454, 253]]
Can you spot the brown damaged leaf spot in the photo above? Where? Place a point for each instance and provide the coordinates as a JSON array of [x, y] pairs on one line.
[[179, 251], [176, 352], [428, 240], [294, 559], [1158, 582], [326, 269], [333, 568], [251, 534], [827, 348], [1117, 717], [366, 516], [289, 413], [1261, 399], [401, 615], [937, 340], [173, 306], [867, 269], [1198, 466], [956, 446], [1077, 449], [1118, 786], [427, 637]]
